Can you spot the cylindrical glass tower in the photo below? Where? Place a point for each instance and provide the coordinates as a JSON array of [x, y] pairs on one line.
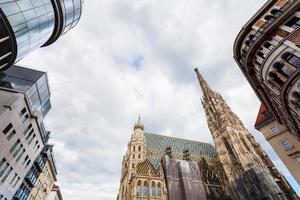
[[26, 25]]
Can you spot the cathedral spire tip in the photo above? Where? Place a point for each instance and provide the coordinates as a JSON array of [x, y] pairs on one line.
[[139, 124], [203, 84]]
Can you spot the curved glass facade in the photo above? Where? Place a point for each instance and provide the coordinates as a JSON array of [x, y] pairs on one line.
[[72, 12], [37, 23], [32, 22]]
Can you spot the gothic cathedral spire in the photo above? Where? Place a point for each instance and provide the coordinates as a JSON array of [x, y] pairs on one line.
[[237, 150]]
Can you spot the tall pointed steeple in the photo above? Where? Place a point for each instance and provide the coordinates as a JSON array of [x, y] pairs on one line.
[[236, 149], [203, 84]]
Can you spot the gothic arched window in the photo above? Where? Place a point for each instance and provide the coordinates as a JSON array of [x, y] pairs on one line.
[[133, 156], [132, 165], [146, 189], [133, 148], [139, 148], [139, 156], [153, 189], [158, 192], [139, 189]]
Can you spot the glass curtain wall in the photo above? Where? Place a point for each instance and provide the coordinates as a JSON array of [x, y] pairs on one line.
[[72, 13], [32, 21]]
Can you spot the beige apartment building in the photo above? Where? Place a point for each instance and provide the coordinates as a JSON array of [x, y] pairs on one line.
[[55, 194], [285, 144], [267, 50], [47, 178]]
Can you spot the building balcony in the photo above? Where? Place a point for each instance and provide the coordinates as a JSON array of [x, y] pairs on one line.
[[263, 24]]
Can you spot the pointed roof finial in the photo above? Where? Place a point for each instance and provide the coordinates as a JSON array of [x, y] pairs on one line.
[[203, 84], [139, 124]]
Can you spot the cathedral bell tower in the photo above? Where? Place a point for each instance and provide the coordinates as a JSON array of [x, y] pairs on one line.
[[136, 151], [245, 169], [135, 154]]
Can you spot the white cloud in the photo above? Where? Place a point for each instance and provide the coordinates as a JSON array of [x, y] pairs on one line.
[[97, 94]]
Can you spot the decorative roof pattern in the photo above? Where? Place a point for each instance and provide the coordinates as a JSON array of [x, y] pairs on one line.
[[157, 144], [147, 168]]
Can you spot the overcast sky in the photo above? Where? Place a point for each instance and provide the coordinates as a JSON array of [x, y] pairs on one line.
[[133, 57]]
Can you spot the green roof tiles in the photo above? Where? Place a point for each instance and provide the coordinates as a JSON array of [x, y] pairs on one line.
[[157, 144]]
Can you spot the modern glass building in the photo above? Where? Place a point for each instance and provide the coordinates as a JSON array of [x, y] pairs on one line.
[[33, 83], [26, 25]]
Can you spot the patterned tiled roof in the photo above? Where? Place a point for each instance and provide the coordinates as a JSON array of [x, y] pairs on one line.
[[157, 144], [146, 167]]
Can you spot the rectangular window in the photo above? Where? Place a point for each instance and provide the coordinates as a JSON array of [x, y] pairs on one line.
[[27, 163], [20, 155], [30, 134], [286, 145], [13, 148], [274, 130], [23, 114], [2, 162], [25, 132], [16, 182], [12, 133], [31, 139], [3, 170], [294, 22], [6, 174], [7, 129], [25, 159], [13, 179], [18, 149]]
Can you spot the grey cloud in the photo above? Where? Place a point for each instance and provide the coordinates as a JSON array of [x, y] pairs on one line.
[[97, 95]]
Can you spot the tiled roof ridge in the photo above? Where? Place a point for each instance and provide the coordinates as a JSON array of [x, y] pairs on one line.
[[188, 140]]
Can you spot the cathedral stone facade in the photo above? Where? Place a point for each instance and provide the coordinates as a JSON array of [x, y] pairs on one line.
[[157, 167], [250, 172], [162, 167]]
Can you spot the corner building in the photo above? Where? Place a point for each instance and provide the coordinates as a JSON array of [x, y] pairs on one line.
[[285, 144], [249, 170], [24, 102], [26, 25], [158, 167], [267, 51]]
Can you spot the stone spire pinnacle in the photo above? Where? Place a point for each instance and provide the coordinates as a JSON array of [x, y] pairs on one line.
[[237, 152], [203, 84]]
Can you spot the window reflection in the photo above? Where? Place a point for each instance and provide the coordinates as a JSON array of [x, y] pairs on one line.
[[32, 22]]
